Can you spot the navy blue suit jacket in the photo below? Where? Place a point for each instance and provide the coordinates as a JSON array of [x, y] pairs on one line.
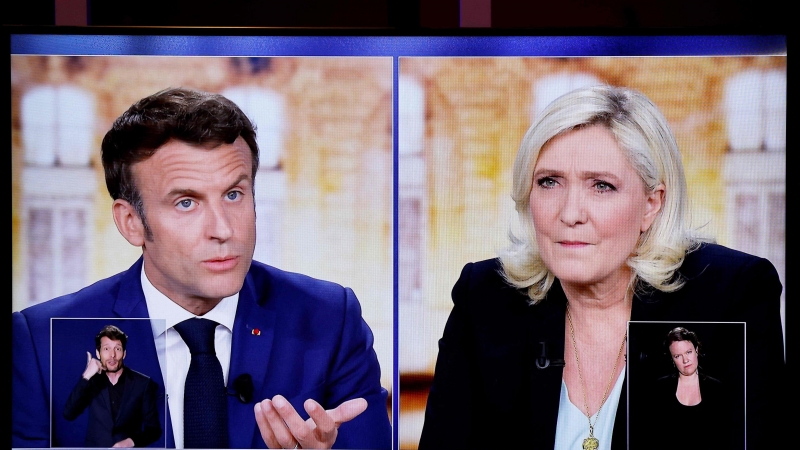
[[294, 335], [500, 364], [137, 417]]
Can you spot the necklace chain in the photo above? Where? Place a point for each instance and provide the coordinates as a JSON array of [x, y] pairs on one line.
[[580, 376]]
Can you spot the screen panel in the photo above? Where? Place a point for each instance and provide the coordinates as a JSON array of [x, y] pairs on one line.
[[427, 125]]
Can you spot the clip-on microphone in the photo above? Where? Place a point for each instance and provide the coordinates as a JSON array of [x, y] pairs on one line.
[[242, 388]]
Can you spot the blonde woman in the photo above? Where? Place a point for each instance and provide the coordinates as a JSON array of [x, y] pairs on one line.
[[533, 354]]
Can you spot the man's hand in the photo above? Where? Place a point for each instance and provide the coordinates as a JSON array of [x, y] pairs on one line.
[[127, 442], [282, 427], [93, 367]]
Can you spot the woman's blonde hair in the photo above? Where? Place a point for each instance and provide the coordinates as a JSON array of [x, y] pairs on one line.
[[643, 134]]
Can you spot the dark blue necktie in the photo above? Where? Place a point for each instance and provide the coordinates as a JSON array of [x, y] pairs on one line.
[[205, 409]]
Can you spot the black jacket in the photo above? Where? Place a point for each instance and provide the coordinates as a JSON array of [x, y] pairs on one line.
[[498, 374], [137, 417], [715, 422]]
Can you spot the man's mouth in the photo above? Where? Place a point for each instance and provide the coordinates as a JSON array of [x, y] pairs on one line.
[[221, 264]]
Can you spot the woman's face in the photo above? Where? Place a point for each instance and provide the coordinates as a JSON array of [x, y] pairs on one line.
[[589, 207], [684, 355]]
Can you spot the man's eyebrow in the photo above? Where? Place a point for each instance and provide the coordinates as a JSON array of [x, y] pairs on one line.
[[182, 192], [242, 177], [193, 193]]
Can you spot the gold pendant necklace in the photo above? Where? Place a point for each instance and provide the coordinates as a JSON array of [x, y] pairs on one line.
[[591, 442]]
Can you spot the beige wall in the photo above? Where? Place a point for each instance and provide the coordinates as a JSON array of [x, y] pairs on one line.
[[476, 111]]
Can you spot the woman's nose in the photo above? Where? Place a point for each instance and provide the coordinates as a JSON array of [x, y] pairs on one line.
[[572, 208]]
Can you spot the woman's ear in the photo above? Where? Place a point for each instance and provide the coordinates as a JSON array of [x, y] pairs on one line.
[[655, 201], [128, 222]]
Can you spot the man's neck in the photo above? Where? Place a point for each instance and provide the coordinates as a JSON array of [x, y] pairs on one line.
[[113, 377]]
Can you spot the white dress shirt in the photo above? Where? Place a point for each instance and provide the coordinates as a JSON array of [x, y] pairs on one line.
[[573, 427], [173, 354]]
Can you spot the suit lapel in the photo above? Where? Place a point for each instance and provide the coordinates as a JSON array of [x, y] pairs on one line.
[[127, 394], [130, 303], [546, 337], [253, 337], [106, 400], [646, 306]]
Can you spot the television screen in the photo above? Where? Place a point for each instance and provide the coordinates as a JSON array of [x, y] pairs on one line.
[[385, 159]]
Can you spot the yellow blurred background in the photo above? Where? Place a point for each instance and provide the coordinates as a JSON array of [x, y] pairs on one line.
[[323, 189], [460, 124]]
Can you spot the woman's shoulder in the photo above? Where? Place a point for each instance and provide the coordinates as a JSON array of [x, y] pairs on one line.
[[708, 379], [666, 380], [712, 251], [484, 281], [715, 258], [488, 272]]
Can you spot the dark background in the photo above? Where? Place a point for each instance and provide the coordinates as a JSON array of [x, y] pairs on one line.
[[722, 356], [768, 15]]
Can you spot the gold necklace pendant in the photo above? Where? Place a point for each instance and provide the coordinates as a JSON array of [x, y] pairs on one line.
[[591, 442]]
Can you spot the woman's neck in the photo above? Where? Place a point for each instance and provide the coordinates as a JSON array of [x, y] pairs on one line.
[[601, 297], [691, 378], [594, 354], [688, 392], [597, 310]]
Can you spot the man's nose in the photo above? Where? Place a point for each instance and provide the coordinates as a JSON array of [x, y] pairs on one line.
[[219, 224]]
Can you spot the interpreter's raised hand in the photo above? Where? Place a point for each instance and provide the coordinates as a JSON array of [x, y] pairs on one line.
[[93, 367], [282, 427]]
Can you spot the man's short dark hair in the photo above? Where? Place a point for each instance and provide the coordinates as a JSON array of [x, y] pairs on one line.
[[113, 333], [197, 118]]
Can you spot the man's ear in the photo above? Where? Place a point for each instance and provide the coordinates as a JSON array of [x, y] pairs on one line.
[[128, 222], [124, 354], [97, 352]]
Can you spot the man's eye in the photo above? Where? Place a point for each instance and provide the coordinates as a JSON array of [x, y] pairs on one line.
[[185, 204], [233, 195]]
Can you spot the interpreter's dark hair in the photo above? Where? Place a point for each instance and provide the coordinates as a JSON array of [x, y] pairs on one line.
[[113, 333], [682, 334], [197, 118]]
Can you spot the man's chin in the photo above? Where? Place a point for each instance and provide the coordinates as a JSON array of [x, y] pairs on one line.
[[114, 370]]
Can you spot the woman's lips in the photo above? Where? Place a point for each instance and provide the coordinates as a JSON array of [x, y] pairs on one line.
[[221, 264], [572, 244]]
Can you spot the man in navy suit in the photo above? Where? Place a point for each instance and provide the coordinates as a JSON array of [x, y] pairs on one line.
[[122, 402], [296, 355]]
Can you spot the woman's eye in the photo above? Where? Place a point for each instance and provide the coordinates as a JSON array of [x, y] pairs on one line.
[[604, 187], [546, 182]]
